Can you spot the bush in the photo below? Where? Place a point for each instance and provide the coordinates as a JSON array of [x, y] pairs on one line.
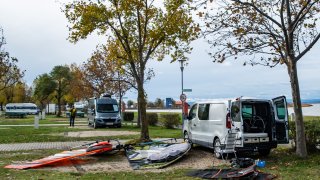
[[128, 116], [152, 118], [312, 131], [170, 120]]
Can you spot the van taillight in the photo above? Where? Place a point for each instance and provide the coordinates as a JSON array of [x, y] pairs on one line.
[[228, 121]]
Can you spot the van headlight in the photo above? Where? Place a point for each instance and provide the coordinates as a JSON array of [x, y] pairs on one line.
[[118, 118]]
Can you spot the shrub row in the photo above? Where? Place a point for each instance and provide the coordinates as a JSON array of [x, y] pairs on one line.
[[312, 131], [128, 116], [152, 118], [167, 120], [170, 121]]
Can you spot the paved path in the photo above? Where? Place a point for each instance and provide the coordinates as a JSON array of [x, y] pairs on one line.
[[65, 124], [42, 145], [43, 125]]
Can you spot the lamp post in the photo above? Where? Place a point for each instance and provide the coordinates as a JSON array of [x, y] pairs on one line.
[[120, 95], [182, 102]]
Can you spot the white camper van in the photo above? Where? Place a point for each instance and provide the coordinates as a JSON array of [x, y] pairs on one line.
[[257, 124], [103, 111], [21, 109]]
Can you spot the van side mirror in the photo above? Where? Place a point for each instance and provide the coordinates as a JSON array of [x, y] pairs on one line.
[[191, 116]]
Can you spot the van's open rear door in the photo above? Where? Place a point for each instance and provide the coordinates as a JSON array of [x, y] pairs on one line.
[[281, 119], [237, 122]]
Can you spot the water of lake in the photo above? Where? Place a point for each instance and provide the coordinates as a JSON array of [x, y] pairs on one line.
[[313, 110]]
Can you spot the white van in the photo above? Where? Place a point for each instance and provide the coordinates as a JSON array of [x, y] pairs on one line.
[[103, 111], [258, 124], [13, 109]]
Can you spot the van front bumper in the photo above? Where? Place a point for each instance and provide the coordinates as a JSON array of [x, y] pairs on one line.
[[108, 122]]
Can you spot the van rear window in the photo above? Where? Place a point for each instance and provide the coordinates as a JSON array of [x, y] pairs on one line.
[[247, 111], [281, 111], [235, 111]]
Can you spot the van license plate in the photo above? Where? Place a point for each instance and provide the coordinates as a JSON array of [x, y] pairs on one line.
[[109, 123]]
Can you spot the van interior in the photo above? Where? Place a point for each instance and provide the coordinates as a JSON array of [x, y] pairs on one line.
[[257, 117]]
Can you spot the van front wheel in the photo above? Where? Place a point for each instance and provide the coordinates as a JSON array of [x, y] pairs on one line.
[[186, 138], [217, 148], [95, 125]]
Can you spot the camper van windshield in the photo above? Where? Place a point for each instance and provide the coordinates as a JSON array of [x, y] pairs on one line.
[[102, 108]]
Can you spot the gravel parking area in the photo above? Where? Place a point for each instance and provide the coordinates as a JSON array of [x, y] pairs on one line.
[[197, 158]]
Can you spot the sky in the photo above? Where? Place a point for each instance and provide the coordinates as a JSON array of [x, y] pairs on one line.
[[36, 33]]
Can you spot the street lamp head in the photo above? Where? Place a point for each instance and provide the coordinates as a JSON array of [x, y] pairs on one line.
[[182, 64]]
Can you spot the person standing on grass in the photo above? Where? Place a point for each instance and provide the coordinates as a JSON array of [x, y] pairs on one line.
[[73, 113]]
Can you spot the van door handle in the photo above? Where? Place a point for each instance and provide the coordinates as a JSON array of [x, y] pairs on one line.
[[194, 125]]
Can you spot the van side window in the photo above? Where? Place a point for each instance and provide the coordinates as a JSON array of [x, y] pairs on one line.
[[281, 111], [235, 111], [203, 111], [193, 112]]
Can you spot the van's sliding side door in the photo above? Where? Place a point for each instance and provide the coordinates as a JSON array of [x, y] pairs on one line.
[[281, 119]]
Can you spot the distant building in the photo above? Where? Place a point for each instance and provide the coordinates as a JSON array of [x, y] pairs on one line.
[[178, 104], [169, 102]]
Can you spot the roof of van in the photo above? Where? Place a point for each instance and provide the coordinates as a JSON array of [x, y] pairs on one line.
[[20, 104], [106, 100], [225, 100]]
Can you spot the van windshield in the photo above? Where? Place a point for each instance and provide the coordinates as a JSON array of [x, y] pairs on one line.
[[79, 109], [102, 108]]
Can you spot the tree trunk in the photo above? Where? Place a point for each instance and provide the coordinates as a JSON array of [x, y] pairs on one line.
[[144, 137], [301, 149], [139, 115], [59, 106]]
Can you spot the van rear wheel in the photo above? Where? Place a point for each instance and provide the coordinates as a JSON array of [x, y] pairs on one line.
[[217, 148], [264, 152]]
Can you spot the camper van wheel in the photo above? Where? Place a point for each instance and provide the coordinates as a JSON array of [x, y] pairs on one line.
[[217, 148], [95, 125], [264, 152], [186, 138]]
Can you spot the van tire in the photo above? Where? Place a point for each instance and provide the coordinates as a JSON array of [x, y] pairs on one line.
[[264, 152], [95, 125], [216, 148], [186, 138]]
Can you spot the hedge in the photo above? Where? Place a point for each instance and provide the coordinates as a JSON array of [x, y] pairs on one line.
[[152, 118], [312, 131], [170, 121], [128, 116]]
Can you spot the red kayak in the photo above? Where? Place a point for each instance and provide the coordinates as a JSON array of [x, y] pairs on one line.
[[66, 156]]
